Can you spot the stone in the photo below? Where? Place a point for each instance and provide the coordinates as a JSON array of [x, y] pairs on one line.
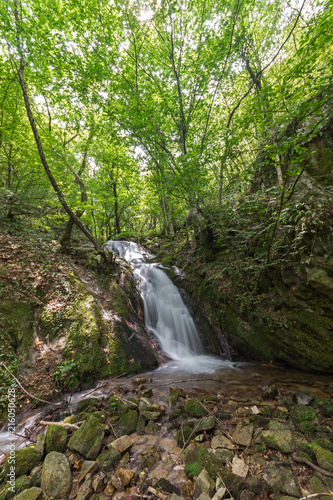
[[33, 493], [109, 489], [175, 497], [239, 467], [122, 444], [270, 393], [25, 460], [36, 475], [56, 475], [87, 405], [150, 457], [282, 480], [140, 427], [207, 424], [87, 440], [108, 459], [223, 455], [88, 467], [243, 434], [281, 440], [98, 482], [40, 444], [220, 493], [151, 427], [301, 398], [184, 435], [21, 484], [324, 458], [127, 423], [165, 485], [204, 484], [85, 490], [121, 478], [204, 496], [303, 413], [140, 380], [194, 409], [222, 442], [56, 439]]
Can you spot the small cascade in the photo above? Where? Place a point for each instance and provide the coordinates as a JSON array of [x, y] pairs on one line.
[[166, 315]]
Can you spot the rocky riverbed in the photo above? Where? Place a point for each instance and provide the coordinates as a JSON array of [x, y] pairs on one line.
[[136, 442]]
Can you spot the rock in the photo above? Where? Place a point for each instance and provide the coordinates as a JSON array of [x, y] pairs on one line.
[[56, 475], [56, 439], [197, 458], [282, 480], [98, 482], [151, 428], [175, 497], [33, 493], [301, 398], [140, 380], [204, 496], [25, 461], [87, 440], [207, 424], [40, 444], [239, 467], [36, 475], [87, 405], [223, 455], [183, 435], [255, 410], [140, 427], [270, 393], [85, 490], [121, 478], [222, 442], [204, 484], [150, 457], [173, 398], [324, 458], [109, 489], [151, 415], [108, 459], [303, 413], [278, 439], [127, 423], [21, 484], [122, 444], [194, 409], [88, 467], [165, 485], [243, 434]]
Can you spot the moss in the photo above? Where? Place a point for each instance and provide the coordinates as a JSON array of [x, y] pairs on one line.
[[302, 413], [88, 439], [50, 323], [25, 461], [87, 405], [183, 435], [119, 301], [194, 409], [17, 320], [127, 423], [108, 459], [21, 484], [56, 439]]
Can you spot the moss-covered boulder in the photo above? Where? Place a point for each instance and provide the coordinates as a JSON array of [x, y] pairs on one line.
[[279, 439], [194, 409], [14, 488], [87, 405], [87, 440], [127, 423], [24, 460], [324, 458], [56, 476], [197, 458], [56, 439], [108, 459], [184, 435], [302, 413], [33, 493]]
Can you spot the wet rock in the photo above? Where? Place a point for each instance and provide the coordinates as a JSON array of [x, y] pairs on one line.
[[194, 409], [301, 398], [207, 424], [56, 475], [56, 439], [197, 458], [140, 427], [165, 485], [259, 421], [121, 478], [122, 444], [40, 444], [108, 459], [87, 440], [140, 381], [151, 415], [147, 393], [270, 393], [239, 467], [25, 461], [222, 442], [282, 480], [223, 455], [204, 484], [33, 493], [98, 482], [85, 490], [175, 414], [36, 475], [151, 428], [282, 412], [243, 435], [87, 405], [150, 457], [88, 467], [127, 423], [174, 397]]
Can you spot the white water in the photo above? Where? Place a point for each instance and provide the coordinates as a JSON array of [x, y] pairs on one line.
[[166, 315]]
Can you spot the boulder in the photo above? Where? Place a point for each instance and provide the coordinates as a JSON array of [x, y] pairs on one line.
[[56, 476], [278, 439], [25, 461], [33, 493], [204, 484], [108, 459], [194, 409], [127, 423], [56, 439], [87, 440]]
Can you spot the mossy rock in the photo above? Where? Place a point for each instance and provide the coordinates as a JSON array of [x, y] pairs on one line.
[[56, 439], [87, 405], [140, 427], [197, 458], [87, 440], [194, 409], [33, 493], [50, 323], [21, 484], [56, 476], [108, 459], [184, 435], [74, 419], [17, 323], [278, 439], [324, 458], [174, 397], [302, 413], [25, 461], [325, 406], [175, 414], [117, 407], [127, 423]]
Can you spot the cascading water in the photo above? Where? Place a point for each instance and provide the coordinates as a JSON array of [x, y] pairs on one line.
[[166, 315]]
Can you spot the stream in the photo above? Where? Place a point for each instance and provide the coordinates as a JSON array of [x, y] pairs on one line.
[[168, 319]]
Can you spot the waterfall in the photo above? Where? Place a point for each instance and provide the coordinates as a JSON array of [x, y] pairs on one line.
[[166, 315]]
